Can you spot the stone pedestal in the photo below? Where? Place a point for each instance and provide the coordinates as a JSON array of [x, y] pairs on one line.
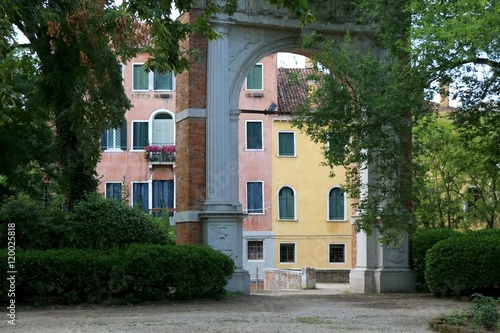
[[223, 231], [382, 268]]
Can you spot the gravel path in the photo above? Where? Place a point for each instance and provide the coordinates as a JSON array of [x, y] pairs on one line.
[[328, 309]]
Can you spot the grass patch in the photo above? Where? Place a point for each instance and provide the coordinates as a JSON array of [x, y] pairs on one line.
[[312, 321]]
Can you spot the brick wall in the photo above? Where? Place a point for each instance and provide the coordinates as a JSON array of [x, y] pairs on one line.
[[191, 139]]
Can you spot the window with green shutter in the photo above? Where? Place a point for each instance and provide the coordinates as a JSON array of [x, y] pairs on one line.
[[254, 135], [163, 81], [286, 204], [336, 206], [140, 78], [254, 78], [140, 134], [286, 144]]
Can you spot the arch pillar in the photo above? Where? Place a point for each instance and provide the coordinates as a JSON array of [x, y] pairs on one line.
[[222, 216], [380, 268]]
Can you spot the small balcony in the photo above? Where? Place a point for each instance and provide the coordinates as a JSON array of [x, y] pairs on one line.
[[157, 154]]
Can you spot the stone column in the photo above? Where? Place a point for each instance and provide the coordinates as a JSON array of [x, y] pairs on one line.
[[380, 268], [222, 216]]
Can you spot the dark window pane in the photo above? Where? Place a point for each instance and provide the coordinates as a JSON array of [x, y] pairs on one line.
[[286, 204], [286, 144], [254, 198], [254, 135]]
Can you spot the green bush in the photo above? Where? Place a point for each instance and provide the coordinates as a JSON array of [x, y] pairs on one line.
[[463, 265], [422, 242], [163, 223], [102, 224], [36, 227], [61, 276], [178, 272], [482, 315], [128, 275], [485, 311]]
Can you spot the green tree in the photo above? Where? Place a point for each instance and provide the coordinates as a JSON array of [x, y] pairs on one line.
[[366, 106], [441, 164], [456, 42], [76, 84]]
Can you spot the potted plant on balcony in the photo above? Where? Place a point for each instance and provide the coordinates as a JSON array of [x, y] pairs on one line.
[[170, 152], [152, 151]]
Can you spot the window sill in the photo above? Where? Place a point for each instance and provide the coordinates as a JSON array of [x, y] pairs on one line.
[[113, 150], [287, 220], [286, 156], [335, 221]]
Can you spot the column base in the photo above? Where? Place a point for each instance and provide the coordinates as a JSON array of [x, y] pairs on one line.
[[239, 282], [395, 280], [382, 280], [362, 281]]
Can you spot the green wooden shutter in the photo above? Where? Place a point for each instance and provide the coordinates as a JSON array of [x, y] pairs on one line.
[[286, 144], [104, 140], [123, 136], [286, 204], [254, 135], [336, 204], [140, 139], [163, 81], [254, 78], [141, 78]]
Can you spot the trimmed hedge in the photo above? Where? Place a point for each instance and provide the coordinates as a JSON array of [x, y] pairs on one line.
[[422, 242], [136, 274], [464, 265], [101, 224]]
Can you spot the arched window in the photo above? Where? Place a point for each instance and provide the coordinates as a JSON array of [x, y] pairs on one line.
[[336, 204], [286, 204], [163, 129]]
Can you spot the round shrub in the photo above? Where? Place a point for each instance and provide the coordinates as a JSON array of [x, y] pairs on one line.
[[100, 224], [422, 242], [36, 227], [463, 265]]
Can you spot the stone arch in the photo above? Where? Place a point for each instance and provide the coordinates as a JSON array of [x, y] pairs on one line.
[[207, 135]]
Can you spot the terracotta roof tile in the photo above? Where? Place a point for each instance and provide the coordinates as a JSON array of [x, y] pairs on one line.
[[292, 88]]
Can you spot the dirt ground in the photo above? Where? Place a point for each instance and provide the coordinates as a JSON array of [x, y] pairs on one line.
[[330, 308]]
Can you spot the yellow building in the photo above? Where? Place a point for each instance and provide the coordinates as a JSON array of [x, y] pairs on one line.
[[310, 212]]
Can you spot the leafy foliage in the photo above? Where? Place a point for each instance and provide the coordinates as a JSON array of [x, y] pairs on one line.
[[35, 226], [441, 165], [360, 113], [482, 315], [457, 44], [423, 241], [97, 223], [136, 274], [463, 265], [101, 224]]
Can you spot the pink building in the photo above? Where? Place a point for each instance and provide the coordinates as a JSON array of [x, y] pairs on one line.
[[145, 179], [135, 163]]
